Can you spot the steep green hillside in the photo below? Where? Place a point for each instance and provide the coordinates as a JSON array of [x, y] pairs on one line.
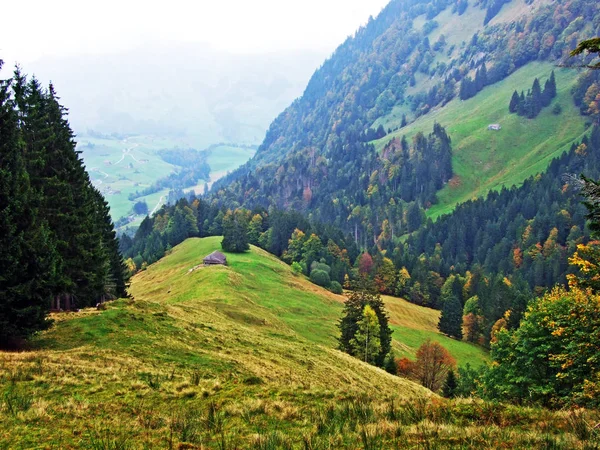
[[232, 357], [484, 160], [250, 291]]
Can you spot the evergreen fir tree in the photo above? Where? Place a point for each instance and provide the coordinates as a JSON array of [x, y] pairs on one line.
[[72, 210], [450, 385], [551, 86], [468, 88], [536, 98], [451, 319], [481, 78], [513, 107], [27, 256], [88, 264], [521, 106], [390, 363], [115, 284], [404, 121], [364, 294]]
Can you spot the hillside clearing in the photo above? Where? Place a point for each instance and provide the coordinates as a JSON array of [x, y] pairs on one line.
[[249, 332], [484, 160]]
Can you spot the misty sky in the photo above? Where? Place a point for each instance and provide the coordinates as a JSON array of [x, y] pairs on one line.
[[70, 27]]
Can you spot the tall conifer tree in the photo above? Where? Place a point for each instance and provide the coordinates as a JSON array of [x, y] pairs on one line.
[[27, 256], [451, 318]]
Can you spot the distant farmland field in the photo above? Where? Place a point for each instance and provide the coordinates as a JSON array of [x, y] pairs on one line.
[[120, 167]]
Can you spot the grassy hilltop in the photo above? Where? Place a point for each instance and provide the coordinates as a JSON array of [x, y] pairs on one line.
[[250, 337], [233, 357]]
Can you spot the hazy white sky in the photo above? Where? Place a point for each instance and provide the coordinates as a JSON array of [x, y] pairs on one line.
[[67, 27]]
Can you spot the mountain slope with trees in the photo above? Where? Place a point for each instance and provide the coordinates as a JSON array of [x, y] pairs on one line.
[[315, 158], [241, 355]]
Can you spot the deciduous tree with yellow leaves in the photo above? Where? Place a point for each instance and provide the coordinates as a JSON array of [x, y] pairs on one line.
[[554, 356]]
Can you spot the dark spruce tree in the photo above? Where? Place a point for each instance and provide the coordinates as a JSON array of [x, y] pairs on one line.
[[514, 103], [115, 284], [549, 90], [536, 99], [69, 240], [451, 319], [450, 385], [27, 256]]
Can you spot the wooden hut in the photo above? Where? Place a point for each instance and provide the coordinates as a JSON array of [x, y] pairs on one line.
[[215, 258]]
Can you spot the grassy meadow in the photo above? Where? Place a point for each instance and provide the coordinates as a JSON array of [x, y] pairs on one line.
[[239, 357], [484, 160]]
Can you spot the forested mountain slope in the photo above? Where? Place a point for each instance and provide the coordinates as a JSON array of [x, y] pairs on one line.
[[411, 61], [488, 159]]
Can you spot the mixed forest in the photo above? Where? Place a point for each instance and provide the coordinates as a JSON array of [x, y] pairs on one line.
[[516, 272], [361, 213]]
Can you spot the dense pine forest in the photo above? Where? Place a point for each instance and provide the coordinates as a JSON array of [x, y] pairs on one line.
[[59, 248]]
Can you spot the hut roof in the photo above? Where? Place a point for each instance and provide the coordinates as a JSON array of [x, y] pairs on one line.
[[215, 258]]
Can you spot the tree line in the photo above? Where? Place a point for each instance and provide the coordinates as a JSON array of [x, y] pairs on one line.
[[488, 257], [531, 105], [58, 246]]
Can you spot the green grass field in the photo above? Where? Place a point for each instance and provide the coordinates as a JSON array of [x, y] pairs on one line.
[[246, 335], [121, 167], [484, 160], [234, 357], [413, 324]]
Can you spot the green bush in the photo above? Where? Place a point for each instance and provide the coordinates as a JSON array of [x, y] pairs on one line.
[[297, 268], [320, 278], [336, 288]]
